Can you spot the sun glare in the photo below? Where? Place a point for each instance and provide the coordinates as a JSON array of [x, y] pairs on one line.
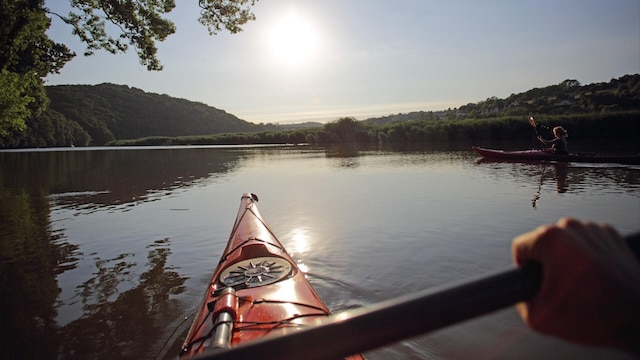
[[300, 243], [293, 40]]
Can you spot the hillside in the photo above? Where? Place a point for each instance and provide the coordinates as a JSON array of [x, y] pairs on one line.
[[108, 112], [565, 98], [83, 115]]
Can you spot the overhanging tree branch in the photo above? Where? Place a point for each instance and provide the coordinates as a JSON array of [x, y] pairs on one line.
[[141, 23]]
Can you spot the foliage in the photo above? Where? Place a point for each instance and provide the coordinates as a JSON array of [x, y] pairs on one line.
[[108, 112], [24, 45], [620, 125], [14, 101], [567, 97], [51, 129], [28, 54], [141, 23], [262, 137], [346, 130], [230, 14], [623, 126], [112, 114]]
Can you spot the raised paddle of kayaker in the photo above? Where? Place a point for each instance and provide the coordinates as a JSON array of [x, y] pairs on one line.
[[559, 143], [590, 290]]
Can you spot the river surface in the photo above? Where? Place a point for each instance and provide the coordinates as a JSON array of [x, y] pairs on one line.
[[105, 252]]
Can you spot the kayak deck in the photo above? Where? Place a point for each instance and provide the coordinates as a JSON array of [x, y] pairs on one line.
[[256, 290], [540, 155]]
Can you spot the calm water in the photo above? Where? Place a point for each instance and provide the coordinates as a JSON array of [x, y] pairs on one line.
[[105, 252]]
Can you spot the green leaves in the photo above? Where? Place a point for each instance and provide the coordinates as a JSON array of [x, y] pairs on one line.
[[113, 25], [230, 14], [21, 96], [24, 44]]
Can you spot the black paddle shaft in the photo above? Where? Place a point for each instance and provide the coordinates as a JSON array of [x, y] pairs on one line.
[[358, 330]]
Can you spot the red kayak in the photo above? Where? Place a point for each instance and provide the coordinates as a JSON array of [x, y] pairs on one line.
[[539, 155], [257, 290]]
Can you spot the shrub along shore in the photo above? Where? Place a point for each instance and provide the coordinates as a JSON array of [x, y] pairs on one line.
[[622, 126]]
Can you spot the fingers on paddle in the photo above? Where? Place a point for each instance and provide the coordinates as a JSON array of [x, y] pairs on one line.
[[527, 247]]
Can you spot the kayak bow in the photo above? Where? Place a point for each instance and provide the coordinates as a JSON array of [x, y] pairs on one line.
[[539, 155], [257, 290]]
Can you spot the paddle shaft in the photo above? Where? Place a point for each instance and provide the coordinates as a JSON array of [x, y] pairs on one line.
[[532, 122], [358, 330]]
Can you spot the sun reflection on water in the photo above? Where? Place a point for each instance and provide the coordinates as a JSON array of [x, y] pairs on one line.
[[299, 241], [299, 245], [304, 268]]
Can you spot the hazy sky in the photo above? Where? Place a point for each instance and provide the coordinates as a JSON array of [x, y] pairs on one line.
[[317, 60]]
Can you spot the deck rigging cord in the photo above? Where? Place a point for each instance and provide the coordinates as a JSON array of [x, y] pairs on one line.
[[247, 325]]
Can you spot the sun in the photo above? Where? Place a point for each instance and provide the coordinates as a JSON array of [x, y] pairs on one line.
[[293, 40]]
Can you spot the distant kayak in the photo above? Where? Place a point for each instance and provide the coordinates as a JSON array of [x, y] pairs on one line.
[[539, 155]]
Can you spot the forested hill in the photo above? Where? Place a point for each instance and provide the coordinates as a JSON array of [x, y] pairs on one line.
[[108, 112], [567, 97]]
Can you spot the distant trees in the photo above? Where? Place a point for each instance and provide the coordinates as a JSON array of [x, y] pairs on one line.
[[622, 126], [346, 130], [107, 113], [568, 84], [50, 129], [567, 97]]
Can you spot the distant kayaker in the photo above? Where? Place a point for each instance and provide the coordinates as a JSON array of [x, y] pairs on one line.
[[559, 143], [590, 291]]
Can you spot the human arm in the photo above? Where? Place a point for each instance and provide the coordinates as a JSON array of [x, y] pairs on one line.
[[590, 291], [543, 140]]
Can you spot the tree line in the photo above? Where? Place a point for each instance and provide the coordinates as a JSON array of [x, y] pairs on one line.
[[82, 115], [622, 126], [567, 97]]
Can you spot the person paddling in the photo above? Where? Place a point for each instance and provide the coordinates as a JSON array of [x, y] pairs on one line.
[[590, 291], [559, 143]]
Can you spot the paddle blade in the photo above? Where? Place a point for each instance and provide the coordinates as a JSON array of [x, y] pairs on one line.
[[534, 125]]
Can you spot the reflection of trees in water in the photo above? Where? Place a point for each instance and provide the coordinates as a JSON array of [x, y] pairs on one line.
[[92, 180], [122, 323], [347, 155], [31, 255], [124, 178], [114, 322]]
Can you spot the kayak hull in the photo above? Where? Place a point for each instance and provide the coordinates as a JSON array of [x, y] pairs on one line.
[[539, 155], [271, 295]]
